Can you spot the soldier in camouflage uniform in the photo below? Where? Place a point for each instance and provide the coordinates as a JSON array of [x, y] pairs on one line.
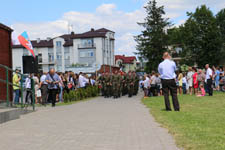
[[108, 85], [124, 85], [130, 84], [101, 80], [136, 83], [116, 81]]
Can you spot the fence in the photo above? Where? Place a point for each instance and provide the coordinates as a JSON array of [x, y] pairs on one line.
[[21, 87]]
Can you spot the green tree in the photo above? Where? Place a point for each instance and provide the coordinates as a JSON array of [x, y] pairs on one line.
[[153, 40], [174, 36], [220, 20], [201, 38]]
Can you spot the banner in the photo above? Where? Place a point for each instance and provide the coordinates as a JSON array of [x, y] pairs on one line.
[[24, 40]]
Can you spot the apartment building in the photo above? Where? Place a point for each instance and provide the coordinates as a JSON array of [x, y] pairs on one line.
[[95, 47]]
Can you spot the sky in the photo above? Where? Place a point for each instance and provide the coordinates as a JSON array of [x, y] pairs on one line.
[[50, 18]]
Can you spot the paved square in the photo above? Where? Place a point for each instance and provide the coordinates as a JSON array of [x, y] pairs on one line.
[[99, 124]]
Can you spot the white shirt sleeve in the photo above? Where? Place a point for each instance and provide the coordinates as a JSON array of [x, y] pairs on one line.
[[160, 69], [85, 80], [210, 72], [175, 67]]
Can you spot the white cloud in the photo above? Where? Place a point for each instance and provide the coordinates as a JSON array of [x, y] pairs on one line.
[[108, 16], [126, 44], [106, 9]]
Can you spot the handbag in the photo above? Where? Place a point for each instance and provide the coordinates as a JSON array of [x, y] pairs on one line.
[[38, 93], [70, 85]]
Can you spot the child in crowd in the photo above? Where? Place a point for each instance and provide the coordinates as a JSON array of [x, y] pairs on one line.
[[202, 91], [184, 84], [141, 83]]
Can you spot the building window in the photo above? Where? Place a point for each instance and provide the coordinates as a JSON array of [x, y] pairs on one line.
[[59, 56], [40, 69], [66, 50], [87, 54], [67, 63], [50, 57], [40, 58], [67, 56], [58, 44], [87, 42], [66, 53]]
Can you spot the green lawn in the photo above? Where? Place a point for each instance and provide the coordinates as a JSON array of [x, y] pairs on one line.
[[200, 125]]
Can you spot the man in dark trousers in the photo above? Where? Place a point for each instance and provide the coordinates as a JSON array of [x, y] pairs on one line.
[[44, 88], [209, 82], [167, 70], [53, 85]]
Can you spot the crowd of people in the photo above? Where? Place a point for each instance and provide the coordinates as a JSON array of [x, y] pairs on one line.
[[50, 87], [201, 81], [194, 81]]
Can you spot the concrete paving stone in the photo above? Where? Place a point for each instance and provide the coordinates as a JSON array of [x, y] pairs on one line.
[[98, 124]]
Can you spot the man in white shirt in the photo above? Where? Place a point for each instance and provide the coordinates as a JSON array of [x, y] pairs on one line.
[[146, 84], [167, 70], [82, 81], [209, 75]]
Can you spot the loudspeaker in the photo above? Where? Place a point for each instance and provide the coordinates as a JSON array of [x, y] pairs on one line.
[[30, 64]]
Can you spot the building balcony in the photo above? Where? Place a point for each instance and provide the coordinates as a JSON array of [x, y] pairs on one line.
[[47, 62], [83, 46]]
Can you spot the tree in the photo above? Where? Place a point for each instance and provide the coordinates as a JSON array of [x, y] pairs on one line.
[[174, 36], [220, 21], [153, 40], [201, 38]]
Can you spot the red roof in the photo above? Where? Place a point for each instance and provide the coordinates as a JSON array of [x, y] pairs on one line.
[[126, 60]]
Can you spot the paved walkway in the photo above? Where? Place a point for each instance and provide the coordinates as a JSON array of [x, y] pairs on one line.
[[99, 124]]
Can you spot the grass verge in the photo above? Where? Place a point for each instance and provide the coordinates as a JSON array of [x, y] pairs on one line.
[[200, 125]]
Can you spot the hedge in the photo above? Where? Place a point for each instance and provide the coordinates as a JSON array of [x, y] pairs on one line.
[[81, 94]]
